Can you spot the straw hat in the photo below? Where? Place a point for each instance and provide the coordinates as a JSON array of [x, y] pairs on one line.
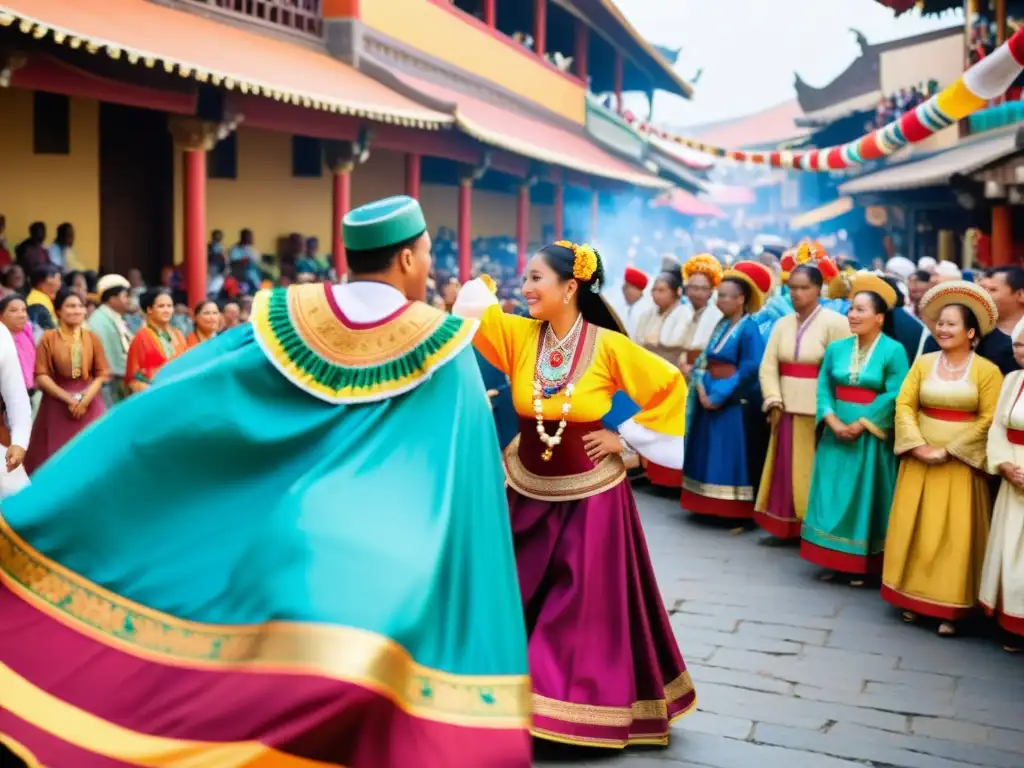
[[970, 295], [869, 282], [757, 276]]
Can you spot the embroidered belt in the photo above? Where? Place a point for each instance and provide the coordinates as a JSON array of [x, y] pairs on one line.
[[719, 370], [948, 414], [522, 462], [1015, 436], [857, 395], [798, 370]]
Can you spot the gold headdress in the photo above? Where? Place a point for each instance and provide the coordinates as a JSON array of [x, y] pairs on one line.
[[703, 264]]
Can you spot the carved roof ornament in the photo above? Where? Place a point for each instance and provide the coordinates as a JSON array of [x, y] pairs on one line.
[[10, 62], [193, 134]]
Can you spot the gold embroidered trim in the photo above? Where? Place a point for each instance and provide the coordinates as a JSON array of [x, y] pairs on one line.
[[320, 327], [650, 739], [608, 473], [722, 492], [614, 717], [371, 660], [872, 428]]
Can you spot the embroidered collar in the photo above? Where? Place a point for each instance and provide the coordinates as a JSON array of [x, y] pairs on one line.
[[308, 338]]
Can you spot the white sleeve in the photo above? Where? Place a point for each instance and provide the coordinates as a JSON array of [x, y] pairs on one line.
[[473, 300], [12, 389], [665, 450]]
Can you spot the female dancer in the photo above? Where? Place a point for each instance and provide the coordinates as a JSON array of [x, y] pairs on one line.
[[938, 526], [702, 274], [605, 666], [719, 471], [661, 329], [857, 387], [789, 378], [1002, 577]]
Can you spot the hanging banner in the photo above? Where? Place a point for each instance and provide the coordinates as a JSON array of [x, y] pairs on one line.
[[986, 80]]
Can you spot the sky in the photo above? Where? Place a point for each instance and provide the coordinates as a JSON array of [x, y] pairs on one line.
[[750, 49]]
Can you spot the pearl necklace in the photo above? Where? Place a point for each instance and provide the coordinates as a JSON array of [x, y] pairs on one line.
[[538, 409]]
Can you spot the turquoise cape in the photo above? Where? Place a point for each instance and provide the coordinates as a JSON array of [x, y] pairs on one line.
[[259, 480]]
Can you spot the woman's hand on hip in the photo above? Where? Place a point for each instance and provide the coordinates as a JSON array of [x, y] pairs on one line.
[[602, 443]]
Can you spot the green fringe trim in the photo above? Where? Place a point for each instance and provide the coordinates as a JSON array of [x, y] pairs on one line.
[[339, 378]]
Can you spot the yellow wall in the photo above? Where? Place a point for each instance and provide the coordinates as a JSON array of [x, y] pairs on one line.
[[266, 199], [443, 35], [50, 188]]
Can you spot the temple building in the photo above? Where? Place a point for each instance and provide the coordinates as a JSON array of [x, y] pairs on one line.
[[148, 123]]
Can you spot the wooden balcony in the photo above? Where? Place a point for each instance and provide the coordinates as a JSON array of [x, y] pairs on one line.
[[301, 17]]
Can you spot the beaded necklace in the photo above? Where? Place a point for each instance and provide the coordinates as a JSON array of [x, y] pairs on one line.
[[74, 340], [551, 374]]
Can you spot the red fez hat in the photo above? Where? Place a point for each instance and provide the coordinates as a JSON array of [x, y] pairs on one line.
[[637, 278]]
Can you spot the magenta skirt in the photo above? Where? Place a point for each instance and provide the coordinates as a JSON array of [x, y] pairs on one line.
[[54, 427], [606, 668]]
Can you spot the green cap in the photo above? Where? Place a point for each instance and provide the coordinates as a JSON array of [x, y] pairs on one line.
[[382, 223]]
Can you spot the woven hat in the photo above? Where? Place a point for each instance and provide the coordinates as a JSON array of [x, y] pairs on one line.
[[757, 276], [970, 295], [869, 282], [107, 282], [379, 224]]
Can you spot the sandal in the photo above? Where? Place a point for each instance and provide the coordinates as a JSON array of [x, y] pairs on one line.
[[910, 617], [947, 629]]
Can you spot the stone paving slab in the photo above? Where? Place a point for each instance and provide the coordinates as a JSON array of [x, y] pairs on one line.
[[792, 672]]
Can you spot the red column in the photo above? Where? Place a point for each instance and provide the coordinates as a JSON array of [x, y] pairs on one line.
[[194, 190], [491, 13], [595, 209], [1002, 236], [464, 240], [341, 201], [413, 175], [522, 227], [618, 82], [540, 26], [559, 207], [581, 50]]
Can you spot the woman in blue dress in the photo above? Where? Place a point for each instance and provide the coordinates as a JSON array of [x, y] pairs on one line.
[[721, 463]]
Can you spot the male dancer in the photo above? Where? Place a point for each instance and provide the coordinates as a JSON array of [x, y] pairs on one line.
[[292, 551]]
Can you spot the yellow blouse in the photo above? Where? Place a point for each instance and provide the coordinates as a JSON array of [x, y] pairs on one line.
[[609, 362], [977, 393], [798, 394]]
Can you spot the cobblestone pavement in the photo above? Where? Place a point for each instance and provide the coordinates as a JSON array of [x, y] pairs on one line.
[[795, 673]]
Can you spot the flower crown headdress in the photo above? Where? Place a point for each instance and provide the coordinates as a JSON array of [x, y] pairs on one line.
[[704, 264], [585, 262]]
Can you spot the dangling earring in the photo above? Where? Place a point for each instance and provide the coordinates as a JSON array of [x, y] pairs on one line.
[[566, 299]]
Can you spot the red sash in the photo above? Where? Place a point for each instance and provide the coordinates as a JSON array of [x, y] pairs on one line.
[[798, 370], [1015, 436], [947, 414], [857, 395]]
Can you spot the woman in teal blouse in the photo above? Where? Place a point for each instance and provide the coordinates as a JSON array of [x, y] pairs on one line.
[[854, 467]]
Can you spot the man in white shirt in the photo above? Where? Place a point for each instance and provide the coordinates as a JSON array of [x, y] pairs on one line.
[[17, 415]]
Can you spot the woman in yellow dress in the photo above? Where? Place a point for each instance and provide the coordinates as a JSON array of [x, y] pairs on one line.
[[789, 385], [1002, 578], [939, 522], [605, 666]]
